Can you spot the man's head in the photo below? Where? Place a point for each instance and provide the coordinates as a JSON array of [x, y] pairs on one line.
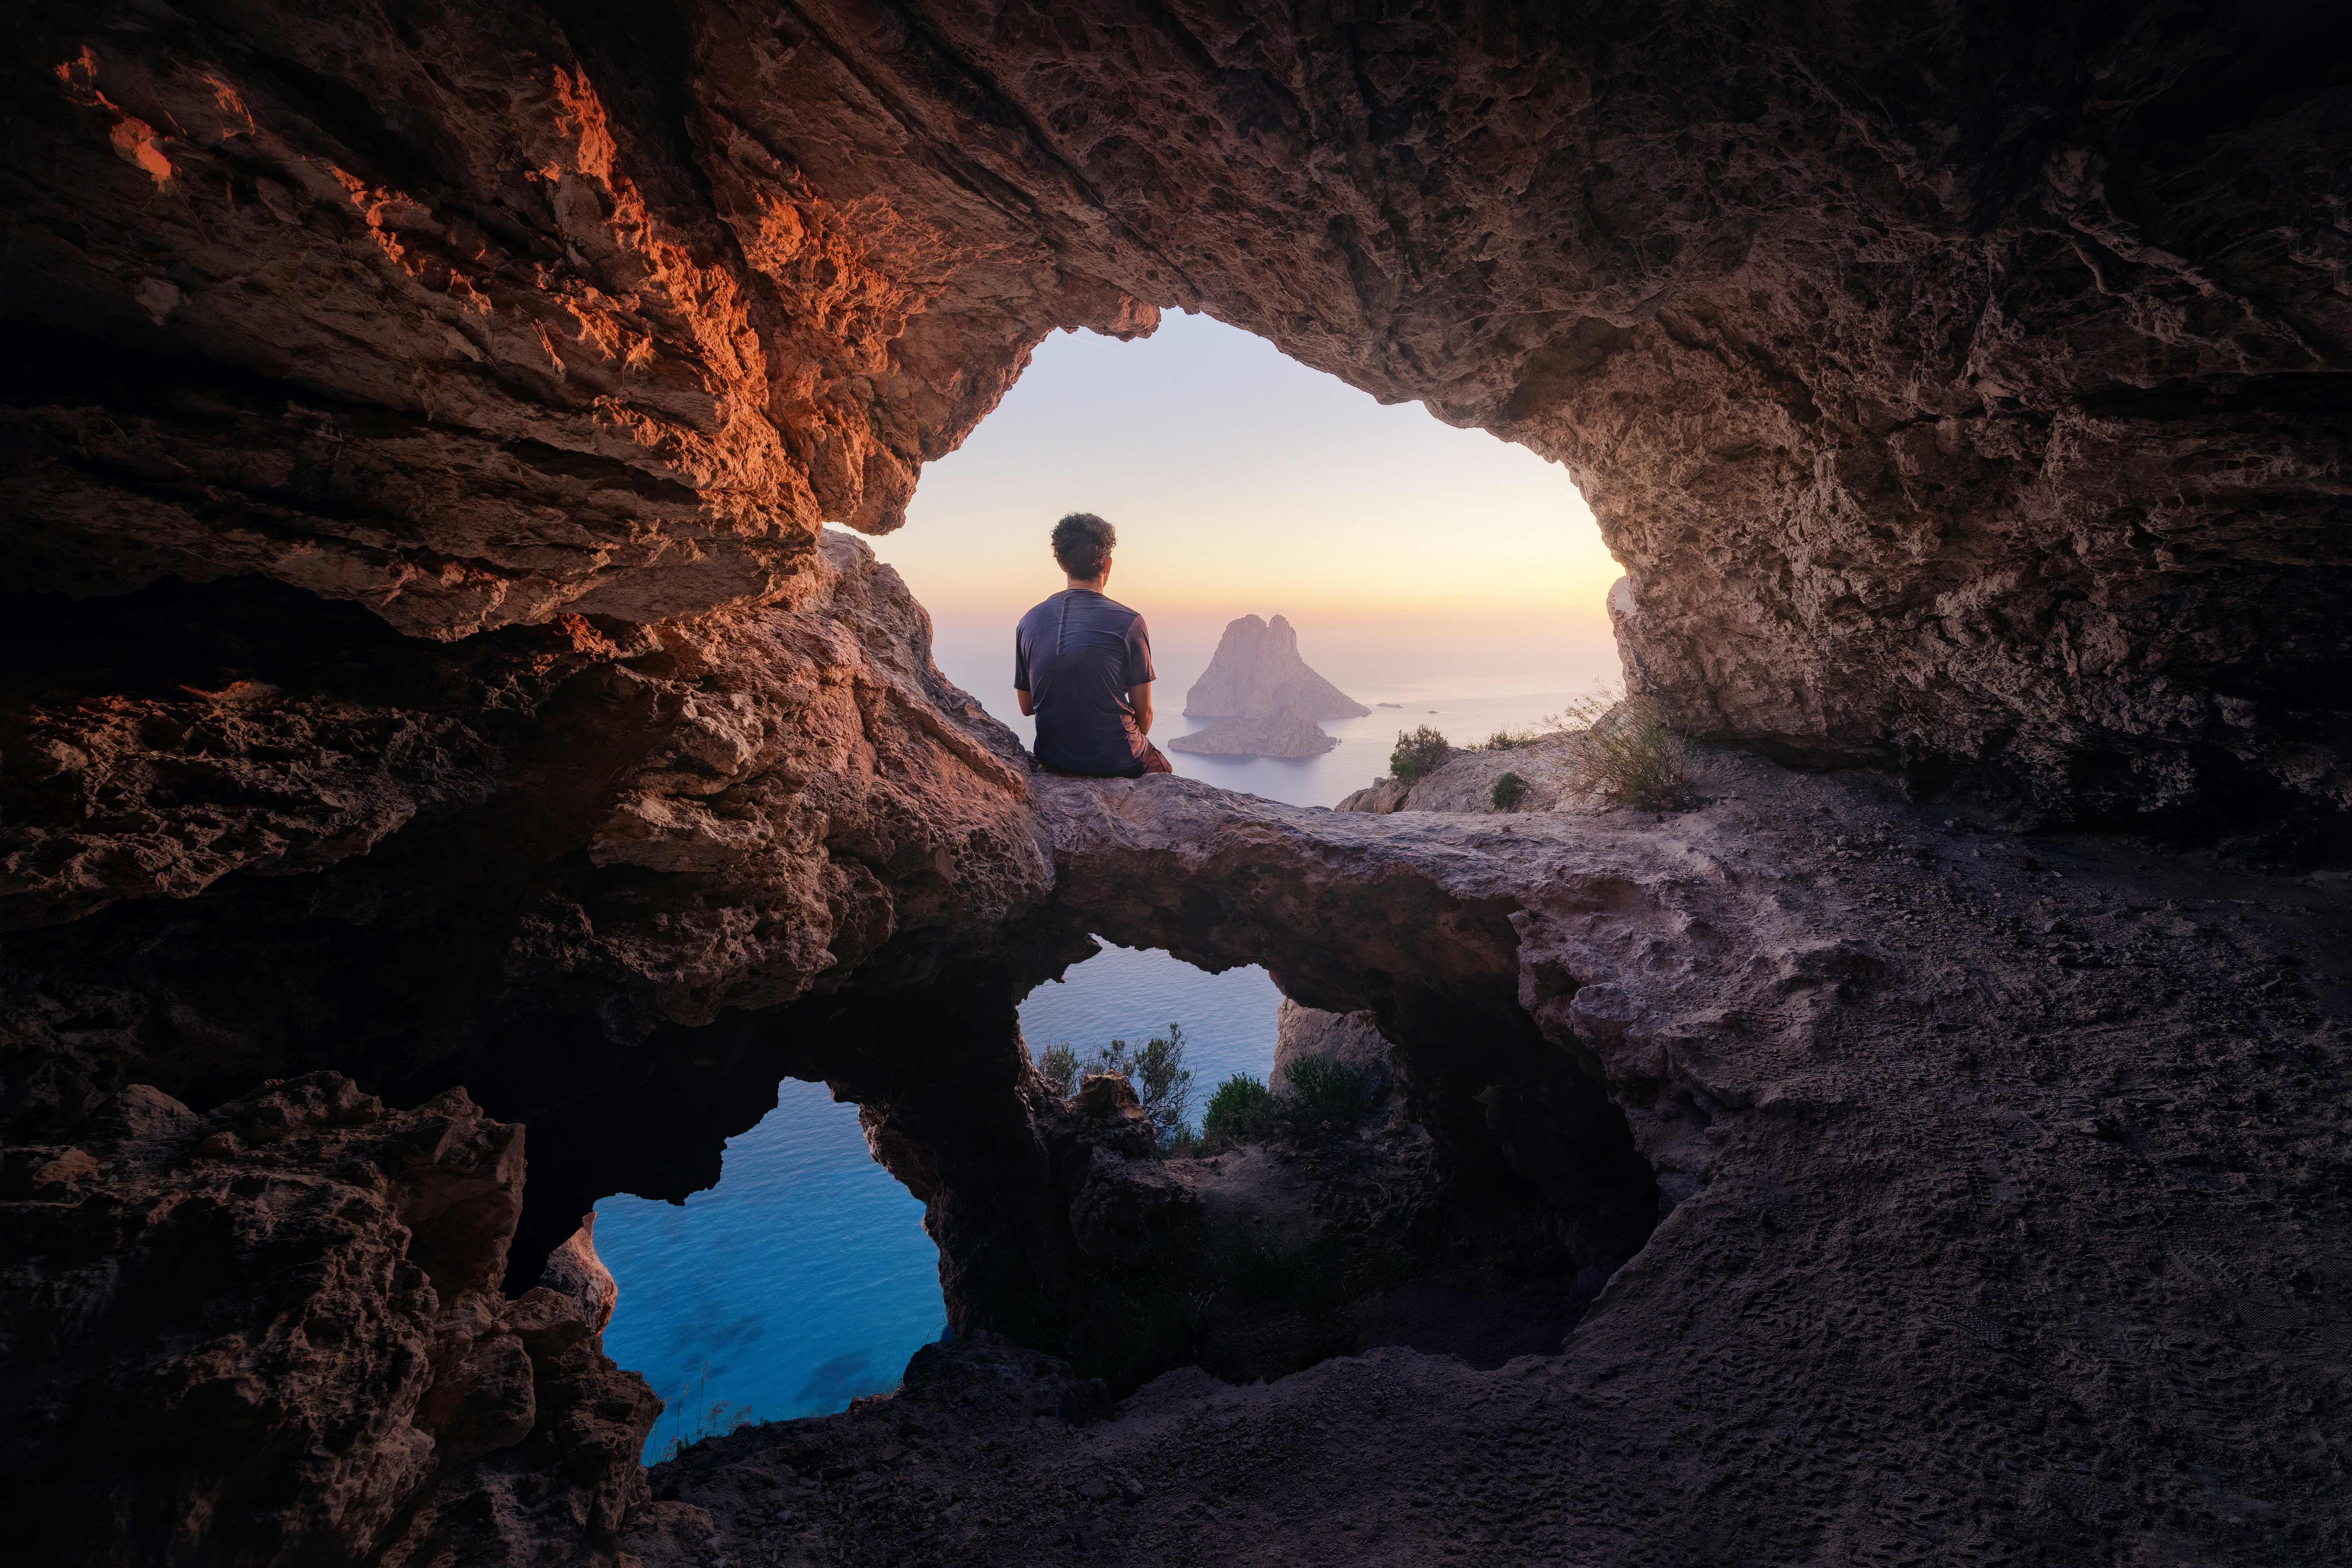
[[1082, 543]]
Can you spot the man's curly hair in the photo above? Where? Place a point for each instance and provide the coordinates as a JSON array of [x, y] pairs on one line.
[[1083, 543]]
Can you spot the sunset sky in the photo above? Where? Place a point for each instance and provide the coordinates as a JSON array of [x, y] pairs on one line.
[[1242, 482]]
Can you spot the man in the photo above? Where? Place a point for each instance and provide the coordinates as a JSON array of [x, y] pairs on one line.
[[1082, 664]]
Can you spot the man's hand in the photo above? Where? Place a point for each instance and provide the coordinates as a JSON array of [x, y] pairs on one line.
[[1138, 698], [1028, 704]]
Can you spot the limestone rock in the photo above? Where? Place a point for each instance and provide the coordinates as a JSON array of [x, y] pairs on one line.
[[611, 835], [276, 1331], [1877, 345], [1351, 1040], [1288, 732], [1257, 673], [1126, 1207], [1464, 782]]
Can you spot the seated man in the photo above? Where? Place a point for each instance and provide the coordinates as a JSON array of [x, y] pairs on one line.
[[1082, 664]]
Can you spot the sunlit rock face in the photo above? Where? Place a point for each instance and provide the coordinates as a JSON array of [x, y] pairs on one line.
[[424, 660], [1960, 390], [248, 833], [475, 317]]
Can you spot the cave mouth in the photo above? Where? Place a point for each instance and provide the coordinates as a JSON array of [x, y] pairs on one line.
[[1483, 1196], [802, 1280]]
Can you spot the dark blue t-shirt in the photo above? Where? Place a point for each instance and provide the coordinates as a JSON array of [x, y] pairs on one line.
[[1075, 655]]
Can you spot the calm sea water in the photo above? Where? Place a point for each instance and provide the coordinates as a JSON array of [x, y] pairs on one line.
[[805, 1278]]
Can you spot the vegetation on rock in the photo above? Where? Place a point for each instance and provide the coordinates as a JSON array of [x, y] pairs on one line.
[[1627, 755], [1418, 754], [1240, 1109], [1156, 1071]]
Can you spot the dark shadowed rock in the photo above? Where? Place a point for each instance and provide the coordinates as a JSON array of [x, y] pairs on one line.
[[1351, 1040], [275, 1333]]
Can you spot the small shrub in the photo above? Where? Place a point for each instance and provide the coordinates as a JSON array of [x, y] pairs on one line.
[[1627, 756], [1324, 1091], [1058, 1066], [1163, 1083], [1241, 1108], [1509, 789], [1418, 754]]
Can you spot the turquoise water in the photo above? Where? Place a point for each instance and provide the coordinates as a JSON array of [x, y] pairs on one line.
[[805, 1278]]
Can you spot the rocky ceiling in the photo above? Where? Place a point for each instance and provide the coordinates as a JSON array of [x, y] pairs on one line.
[[1962, 385], [421, 668]]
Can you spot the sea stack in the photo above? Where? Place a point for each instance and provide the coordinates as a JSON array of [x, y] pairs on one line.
[[1257, 672], [1262, 697]]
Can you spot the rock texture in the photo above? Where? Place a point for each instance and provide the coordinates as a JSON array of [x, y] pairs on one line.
[[2001, 1179], [1351, 1040], [538, 864], [1257, 673], [275, 1333], [1289, 731], [1962, 391], [425, 662], [476, 318]]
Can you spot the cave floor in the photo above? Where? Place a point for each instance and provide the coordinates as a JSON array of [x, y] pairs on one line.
[[2015, 1230]]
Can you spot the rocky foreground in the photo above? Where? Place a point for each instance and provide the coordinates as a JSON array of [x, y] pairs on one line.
[[429, 684], [2003, 1216]]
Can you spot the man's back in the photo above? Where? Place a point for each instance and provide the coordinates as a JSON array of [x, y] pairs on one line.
[[1079, 655]]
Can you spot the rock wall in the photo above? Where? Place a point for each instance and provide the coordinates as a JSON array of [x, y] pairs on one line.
[[1961, 389], [424, 660], [366, 1392], [1351, 1040], [571, 871]]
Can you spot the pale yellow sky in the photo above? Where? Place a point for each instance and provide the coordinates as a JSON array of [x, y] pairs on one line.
[[1243, 483]]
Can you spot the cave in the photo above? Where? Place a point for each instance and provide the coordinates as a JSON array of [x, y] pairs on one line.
[[458, 757]]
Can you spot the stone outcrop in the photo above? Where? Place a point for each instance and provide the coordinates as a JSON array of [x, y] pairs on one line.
[[1949, 1138], [1929, 377], [425, 662], [465, 862], [1289, 731], [1262, 697], [1257, 673], [1550, 778], [367, 1393], [1350, 1040]]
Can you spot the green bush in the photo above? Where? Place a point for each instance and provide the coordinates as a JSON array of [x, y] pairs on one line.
[[1163, 1083], [1509, 789], [1324, 1091], [1241, 1108], [1627, 756], [1058, 1066], [1418, 754]]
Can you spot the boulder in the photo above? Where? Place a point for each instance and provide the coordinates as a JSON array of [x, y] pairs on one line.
[[1351, 1040]]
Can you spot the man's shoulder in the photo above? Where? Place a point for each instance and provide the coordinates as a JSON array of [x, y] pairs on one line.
[[1043, 606]]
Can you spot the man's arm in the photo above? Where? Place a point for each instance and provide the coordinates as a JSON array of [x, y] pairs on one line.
[[1028, 704], [1138, 698]]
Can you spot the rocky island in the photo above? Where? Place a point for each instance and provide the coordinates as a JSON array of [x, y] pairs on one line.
[[1262, 698], [449, 775]]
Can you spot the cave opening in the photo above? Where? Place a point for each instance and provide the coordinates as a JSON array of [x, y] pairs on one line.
[[1245, 482]]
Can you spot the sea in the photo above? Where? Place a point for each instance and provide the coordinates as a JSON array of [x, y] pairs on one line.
[[804, 1278]]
